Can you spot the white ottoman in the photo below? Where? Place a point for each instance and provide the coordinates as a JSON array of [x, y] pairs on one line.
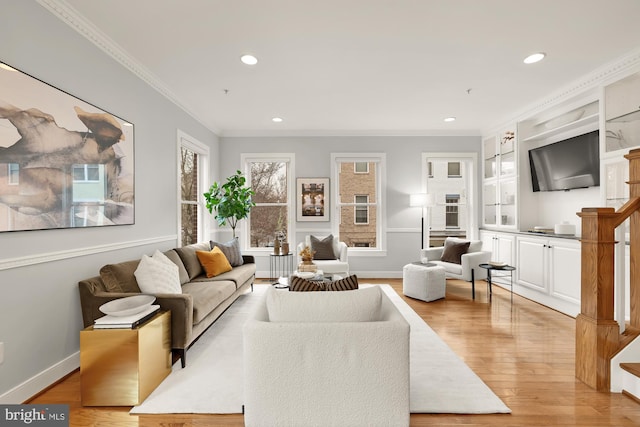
[[423, 282]]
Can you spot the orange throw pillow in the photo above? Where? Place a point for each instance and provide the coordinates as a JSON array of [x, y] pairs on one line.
[[213, 262]]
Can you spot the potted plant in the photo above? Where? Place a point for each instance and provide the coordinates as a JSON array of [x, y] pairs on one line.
[[231, 200]]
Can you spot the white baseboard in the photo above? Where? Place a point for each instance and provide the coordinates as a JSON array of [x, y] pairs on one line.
[[34, 385]]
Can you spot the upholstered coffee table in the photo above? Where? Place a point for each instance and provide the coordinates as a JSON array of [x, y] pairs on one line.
[[425, 282]]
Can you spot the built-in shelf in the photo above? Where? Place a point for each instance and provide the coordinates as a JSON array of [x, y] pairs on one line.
[[583, 121], [625, 118]]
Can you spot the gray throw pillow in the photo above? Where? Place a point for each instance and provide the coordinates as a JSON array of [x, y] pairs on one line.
[[453, 251], [323, 248], [231, 250]]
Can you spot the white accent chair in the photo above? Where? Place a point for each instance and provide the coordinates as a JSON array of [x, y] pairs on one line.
[[339, 266], [468, 269], [326, 359]]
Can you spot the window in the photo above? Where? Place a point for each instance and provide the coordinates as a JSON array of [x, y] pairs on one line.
[[453, 169], [14, 174], [451, 210], [361, 167], [361, 209], [193, 174], [269, 176], [86, 173], [453, 196], [358, 180]]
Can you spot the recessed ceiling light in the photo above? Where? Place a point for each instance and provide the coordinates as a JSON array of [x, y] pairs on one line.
[[277, 120], [534, 58], [249, 59], [450, 119]]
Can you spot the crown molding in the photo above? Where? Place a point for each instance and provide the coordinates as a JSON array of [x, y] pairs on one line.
[[70, 16]]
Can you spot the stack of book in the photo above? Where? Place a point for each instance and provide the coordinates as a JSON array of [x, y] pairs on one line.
[[126, 322]]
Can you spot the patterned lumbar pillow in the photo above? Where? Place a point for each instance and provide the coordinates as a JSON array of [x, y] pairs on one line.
[[347, 284], [158, 275], [231, 250], [323, 248], [214, 262], [298, 284]]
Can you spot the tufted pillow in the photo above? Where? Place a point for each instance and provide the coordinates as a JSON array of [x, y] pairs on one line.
[[347, 284], [453, 251], [298, 284], [231, 250], [214, 262], [323, 248], [158, 275]]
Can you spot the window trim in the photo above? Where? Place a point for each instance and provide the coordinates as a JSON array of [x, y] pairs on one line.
[[204, 220], [381, 185], [288, 158]]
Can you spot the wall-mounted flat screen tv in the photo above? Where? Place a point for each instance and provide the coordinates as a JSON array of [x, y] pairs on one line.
[[568, 164]]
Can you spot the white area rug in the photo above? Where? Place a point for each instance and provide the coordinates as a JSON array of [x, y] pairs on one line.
[[212, 381]]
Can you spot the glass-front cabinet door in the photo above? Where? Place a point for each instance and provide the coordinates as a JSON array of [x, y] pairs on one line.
[[500, 180], [507, 203], [490, 204], [490, 157], [507, 154]]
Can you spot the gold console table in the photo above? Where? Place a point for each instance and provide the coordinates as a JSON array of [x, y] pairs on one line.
[[121, 367]]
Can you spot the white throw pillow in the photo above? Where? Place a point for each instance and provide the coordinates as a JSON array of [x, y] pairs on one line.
[[158, 275], [361, 305]]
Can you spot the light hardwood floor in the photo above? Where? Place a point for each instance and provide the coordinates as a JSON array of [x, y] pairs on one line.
[[524, 352]]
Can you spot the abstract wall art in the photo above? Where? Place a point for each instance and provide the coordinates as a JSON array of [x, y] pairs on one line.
[[64, 163]]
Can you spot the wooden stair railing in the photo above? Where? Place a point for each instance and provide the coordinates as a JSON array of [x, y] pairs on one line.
[[598, 336]]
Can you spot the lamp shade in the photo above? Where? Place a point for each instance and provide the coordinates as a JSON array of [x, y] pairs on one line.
[[421, 200]]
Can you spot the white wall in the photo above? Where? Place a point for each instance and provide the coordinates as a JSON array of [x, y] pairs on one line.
[[40, 315], [404, 171]]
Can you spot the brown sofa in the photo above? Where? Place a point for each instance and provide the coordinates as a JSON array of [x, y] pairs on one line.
[[201, 302]]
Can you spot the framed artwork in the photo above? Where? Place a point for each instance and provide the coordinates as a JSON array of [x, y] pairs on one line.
[[313, 199], [64, 163]]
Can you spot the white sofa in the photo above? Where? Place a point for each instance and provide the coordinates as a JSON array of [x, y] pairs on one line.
[[468, 269], [339, 266], [326, 359]]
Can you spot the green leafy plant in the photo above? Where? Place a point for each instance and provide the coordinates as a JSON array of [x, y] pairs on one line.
[[231, 201]]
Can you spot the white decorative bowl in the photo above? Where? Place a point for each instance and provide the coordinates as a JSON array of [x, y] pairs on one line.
[[497, 264], [128, 305]]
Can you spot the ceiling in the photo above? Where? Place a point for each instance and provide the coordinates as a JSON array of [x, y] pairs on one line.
[[362, 66]]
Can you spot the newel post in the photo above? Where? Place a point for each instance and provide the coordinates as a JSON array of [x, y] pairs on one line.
[[597, 333], [634, 239]]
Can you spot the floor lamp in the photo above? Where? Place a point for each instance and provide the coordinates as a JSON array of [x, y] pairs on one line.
[[421, 200]]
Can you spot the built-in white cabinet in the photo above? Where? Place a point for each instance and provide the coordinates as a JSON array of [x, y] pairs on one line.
[[501, 246], [500, 180], [548, 271]]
